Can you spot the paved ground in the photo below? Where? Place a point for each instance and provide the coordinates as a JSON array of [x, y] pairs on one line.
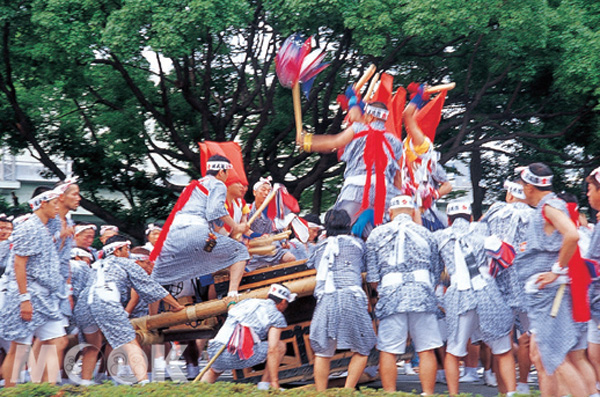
[[410, 383]]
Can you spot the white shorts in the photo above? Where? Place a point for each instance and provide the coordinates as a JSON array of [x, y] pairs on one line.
[[50, 330], [593, 335], [394, 330], [468, 324]]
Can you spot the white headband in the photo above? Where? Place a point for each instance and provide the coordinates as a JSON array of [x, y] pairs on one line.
[[529, 177], [139, 257], [262, 181], [377, 112], [516, 189], [67, 183], [282, 292], [112, 247], [596, 174], [5, 218], [151, 227], [75, 252], [81, 228], [36, 202], [218, 165], [105, 228], [402, 202], [459, 207]]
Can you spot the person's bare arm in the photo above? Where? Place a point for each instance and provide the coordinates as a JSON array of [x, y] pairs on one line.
[[20, 267], [273, 338], [412, 128], [563, 224], [328, 143], [236, 228], [133, 301], [171, 301], [445, 189]]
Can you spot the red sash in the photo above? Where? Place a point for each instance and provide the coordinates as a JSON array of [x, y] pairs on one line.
[[181, 202], [374, 154]]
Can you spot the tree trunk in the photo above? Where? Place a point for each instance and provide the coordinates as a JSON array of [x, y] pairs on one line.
[[317, 197], [478, 191]]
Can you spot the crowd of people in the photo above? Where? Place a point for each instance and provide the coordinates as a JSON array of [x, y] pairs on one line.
[[442, 284]]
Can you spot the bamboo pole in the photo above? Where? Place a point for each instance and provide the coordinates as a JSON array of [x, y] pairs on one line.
[[261, 241], [200, 311], [209, 364], [365, 77], [263, 250], [264, 204], [438, 88], [371, 87], [297, 110]]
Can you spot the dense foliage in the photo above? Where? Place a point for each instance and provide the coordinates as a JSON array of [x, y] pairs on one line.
[[126, 88]]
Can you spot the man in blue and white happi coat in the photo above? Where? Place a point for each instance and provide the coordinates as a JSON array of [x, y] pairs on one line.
[[182, 251], [31, 302], [543, 266], [340, 262], [264, 321], [473, 302], [105, 304], [508, 223], [402, 259]]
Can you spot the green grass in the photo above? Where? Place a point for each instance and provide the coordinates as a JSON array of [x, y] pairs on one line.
[[169, 389]]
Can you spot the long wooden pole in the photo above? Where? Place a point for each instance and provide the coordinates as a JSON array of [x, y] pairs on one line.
[[200, 311], [371, 87], [209, 364], [441, 87], [365, 77], [297, 110]]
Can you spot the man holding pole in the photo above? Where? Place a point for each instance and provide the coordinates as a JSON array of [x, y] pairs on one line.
[[543, 266], [256, 323]]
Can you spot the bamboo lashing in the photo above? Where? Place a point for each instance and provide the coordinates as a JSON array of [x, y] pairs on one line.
[[200, 311], [371, 87], [365, 77], [438, 88], [266, 240], [557, 299]]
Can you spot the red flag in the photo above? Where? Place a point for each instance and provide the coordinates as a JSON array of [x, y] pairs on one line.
[[384, 91], [429, 117], [232, 151], [396, 107], [282, 204]]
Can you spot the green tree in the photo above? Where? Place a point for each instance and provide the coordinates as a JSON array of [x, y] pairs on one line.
[[76, 81]]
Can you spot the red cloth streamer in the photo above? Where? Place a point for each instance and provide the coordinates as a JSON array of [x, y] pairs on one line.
[[374, 155], [282, 203], [181, 202], [396, 107], [232, 151], [579, 275], [429, 117]]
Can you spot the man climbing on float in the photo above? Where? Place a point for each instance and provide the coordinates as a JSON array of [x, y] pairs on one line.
[[372, 156]]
